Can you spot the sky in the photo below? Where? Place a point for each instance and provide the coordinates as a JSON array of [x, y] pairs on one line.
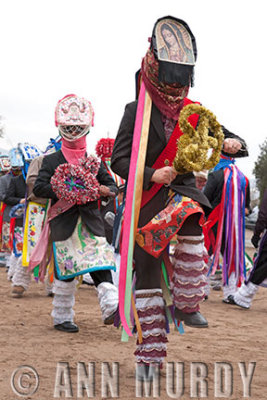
[[93, 49]]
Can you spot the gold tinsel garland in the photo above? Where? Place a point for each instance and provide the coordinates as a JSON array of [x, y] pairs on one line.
[[193, 145]]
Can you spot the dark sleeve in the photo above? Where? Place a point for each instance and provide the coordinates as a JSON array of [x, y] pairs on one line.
[[104, 178], [11, 197], [121, 154], [247, 202], [42, 186], [243, 152], [261, 223], [213, 189], [3, 188]]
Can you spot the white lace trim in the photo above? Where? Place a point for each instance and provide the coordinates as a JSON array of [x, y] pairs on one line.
[[189, 280], [64, 288], [191, 248], [146, 302], [188, 292], [12, 265], [88, 279], [245, 294], [158, 346], [63, 301], [156, 317], [63, 308], [150, 359], [231, 288], [154, 332], [22, 276], [198, 265], [62, 315], [108, 298], [49, 286]]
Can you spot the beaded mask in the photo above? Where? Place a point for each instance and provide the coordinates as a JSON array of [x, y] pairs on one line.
[[74, 116]]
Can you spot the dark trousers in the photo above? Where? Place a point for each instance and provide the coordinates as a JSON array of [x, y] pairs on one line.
[[259, 273], [97, 276]]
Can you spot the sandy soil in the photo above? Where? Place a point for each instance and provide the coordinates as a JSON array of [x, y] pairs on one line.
[[28, 338]]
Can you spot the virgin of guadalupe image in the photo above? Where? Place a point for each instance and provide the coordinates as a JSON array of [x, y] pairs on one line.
[[174, 43]]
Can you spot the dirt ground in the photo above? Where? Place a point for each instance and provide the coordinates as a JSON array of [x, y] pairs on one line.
[[28, 339]]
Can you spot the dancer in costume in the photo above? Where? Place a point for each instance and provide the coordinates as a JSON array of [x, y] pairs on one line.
[[108, 207], [228, 191], [34, 216], [243, 297], [34, 219], [36, 209], [17, 193], [167, 83], [5, 171], [74, 183], [15, 196], [16, 162]]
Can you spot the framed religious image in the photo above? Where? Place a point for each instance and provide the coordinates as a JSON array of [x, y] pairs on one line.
[[174, 42]]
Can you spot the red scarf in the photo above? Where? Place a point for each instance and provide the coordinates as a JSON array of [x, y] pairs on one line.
[[168, 154], [168, 98]]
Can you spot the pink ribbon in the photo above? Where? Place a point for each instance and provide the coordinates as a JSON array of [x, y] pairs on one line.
[[129, 209], [39, 254]]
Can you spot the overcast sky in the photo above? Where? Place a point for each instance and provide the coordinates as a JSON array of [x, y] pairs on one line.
[[93, 48]]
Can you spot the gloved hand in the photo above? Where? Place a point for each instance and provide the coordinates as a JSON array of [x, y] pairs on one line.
[[255, 240]]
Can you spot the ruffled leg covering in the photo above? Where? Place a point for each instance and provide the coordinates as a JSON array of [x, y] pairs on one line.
[[230, 288], [63, 302], [151, 314], [11, 264], [108, 299], [189, 277], [21, 275], [49, 287], [244, 295], [88, 279], [3, 259]]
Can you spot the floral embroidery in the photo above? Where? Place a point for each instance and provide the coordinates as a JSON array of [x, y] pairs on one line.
[[82, 252], [35, 216], [5, 237], [18, 241], [157, 234]]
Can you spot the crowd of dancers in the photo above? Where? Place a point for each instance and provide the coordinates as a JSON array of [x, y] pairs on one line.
[[148, 225]]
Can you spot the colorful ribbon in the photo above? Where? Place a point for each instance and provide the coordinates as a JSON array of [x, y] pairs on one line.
[[132, 206], [230, 214]]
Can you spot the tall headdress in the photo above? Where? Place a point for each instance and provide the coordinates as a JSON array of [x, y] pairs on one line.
[[174, 47]]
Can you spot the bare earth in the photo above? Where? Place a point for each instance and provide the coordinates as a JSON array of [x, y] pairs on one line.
[[28, 338]]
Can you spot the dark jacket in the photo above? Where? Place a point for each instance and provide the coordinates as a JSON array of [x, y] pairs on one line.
[[214, 188], [261, 223], [4, 183], [15, 192], [64, 224], [120, 161]]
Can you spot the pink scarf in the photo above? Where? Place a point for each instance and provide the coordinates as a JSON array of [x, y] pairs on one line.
[[168, 98], [74, 151]]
